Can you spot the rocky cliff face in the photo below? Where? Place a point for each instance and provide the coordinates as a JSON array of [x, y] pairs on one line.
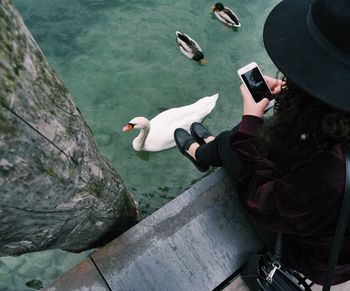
[[56, 189]]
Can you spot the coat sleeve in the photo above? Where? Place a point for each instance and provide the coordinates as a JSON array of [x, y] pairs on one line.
[[292, 202]]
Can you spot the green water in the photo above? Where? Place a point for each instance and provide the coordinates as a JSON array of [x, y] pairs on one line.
[[119, 59]]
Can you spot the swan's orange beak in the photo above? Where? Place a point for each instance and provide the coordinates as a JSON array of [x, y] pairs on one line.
[[128, 127], [203, 61], [212, 8]]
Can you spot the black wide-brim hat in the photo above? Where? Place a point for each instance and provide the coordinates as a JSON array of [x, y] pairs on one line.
[[309, 41]]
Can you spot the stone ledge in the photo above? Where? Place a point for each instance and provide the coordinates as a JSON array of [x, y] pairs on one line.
[[194, 242]]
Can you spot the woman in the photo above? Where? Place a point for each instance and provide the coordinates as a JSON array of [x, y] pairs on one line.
[[292, 173]]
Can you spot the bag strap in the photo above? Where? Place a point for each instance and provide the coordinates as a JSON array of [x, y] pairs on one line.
[[278, 250], [341, 226], [276, 263]]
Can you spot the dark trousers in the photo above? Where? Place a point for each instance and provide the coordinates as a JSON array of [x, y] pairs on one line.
[[219, 153]]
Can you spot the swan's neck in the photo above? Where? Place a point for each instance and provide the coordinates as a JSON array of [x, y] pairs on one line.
[[139, 142]]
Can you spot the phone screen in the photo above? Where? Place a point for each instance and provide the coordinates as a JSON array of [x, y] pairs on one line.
[[256, 84]]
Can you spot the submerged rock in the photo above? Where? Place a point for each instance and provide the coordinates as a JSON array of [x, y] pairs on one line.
[[57, 190], [35, 284]]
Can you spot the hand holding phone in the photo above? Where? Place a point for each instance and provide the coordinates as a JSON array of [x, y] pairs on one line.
[[250, 107], [275, 85], [255, 84], [254, 81]]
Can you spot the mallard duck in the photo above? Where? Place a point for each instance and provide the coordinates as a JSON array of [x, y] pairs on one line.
[[225, 15], [189, 47], [157, 134]]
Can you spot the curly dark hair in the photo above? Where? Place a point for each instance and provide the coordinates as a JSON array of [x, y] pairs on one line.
[[303, 125]]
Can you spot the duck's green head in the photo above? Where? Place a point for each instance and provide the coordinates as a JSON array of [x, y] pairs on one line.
[[217, 7], [199, 57]]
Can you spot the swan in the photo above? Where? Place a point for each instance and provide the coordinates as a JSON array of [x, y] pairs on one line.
[[225, 15], [189, 47], [157, 134]]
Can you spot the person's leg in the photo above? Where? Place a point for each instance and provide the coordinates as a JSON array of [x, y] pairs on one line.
[[219, 153], [211, 153]]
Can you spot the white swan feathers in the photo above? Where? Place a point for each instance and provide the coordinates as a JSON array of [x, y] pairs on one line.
[[157, 134]]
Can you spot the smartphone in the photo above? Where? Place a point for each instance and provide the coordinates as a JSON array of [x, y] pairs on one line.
[[253, 79]]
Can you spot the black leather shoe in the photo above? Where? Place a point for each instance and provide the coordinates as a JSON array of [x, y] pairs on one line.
[[183, 141], [199, 132]]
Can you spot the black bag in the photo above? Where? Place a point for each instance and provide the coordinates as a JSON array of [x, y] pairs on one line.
[[256, 271]]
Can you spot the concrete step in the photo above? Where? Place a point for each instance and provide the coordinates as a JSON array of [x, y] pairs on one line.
[[195, 242]]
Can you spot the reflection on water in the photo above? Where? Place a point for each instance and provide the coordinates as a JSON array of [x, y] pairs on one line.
[[119, 59]]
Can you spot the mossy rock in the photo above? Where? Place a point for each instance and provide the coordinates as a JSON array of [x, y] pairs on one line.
[[35, 284]]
